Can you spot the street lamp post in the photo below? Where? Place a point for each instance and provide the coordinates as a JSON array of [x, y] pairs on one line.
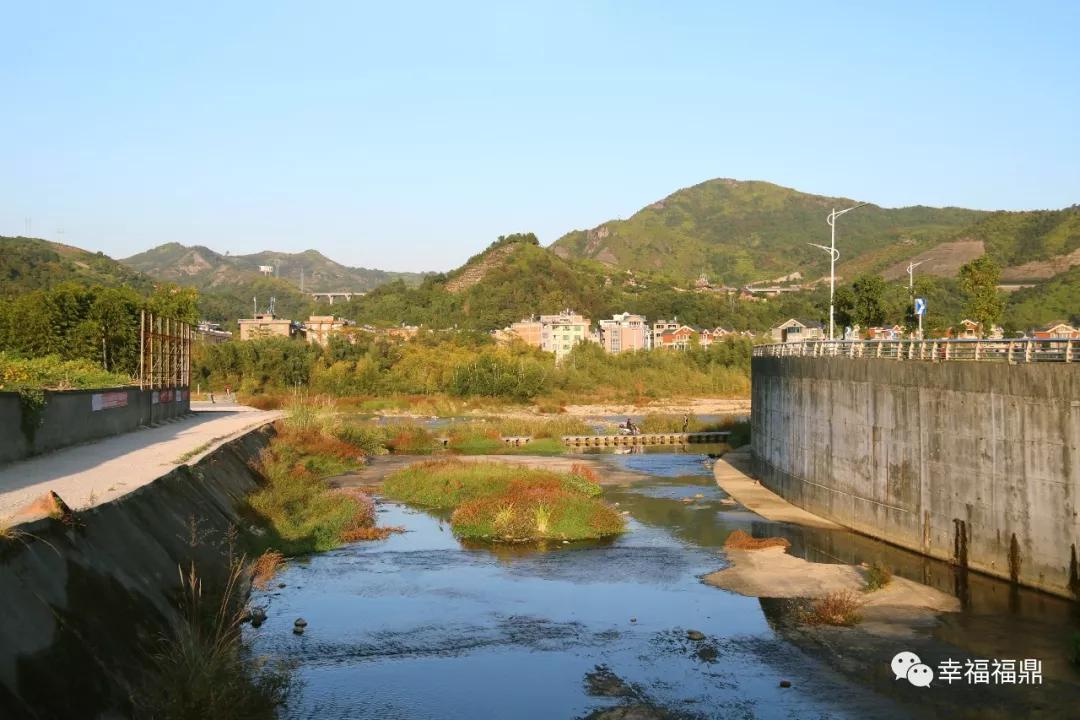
[[911, 291], [834, 255]]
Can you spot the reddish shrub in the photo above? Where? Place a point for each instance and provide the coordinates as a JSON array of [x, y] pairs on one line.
[[265, 567], [584, 471], [262, 402], [740, 540]]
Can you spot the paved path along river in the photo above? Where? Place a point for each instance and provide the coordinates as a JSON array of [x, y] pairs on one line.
[[93, 473]]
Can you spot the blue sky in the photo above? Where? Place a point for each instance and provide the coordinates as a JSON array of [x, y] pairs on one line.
[[408, 136]]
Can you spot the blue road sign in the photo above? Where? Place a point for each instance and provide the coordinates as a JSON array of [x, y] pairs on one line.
[[920, 306]]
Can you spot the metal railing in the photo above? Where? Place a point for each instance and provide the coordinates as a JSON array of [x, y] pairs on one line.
[[1019, 350]]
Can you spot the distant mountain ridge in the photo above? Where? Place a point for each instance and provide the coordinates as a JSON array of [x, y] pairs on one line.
[[206, 269], [740, 231]]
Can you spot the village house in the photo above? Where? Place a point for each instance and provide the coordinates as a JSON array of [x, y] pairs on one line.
[[793, 330], [319, 328], [265, 325], [896, 332], [680, 338], [554, 333], [560, 333], [708, 337], [624, 332], [527, 330], [1057, 331], [968, 330]]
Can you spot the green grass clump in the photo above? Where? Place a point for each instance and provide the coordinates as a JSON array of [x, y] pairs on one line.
[[369, 437], [497, 501], [201, 669], [299, 509], [529, 514], [408, 439], [878, 575], [445, 484]]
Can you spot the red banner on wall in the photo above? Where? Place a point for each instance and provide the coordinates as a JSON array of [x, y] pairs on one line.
[[109, 400]]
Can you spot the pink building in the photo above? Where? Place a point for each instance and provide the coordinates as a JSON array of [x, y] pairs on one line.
[[624, 332]]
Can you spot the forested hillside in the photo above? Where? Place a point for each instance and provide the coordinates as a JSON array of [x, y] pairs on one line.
[[32, 264], [527, 279], [739, 231]]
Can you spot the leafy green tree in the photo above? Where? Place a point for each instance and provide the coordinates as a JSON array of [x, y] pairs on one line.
[[862, 303], [978, 282]]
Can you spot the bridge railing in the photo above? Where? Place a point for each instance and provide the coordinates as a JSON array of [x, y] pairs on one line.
[[1019, 350]]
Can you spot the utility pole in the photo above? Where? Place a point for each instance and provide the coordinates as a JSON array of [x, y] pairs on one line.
[[834, 255]]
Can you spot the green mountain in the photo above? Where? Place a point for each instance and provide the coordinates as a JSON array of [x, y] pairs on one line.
[[515, 278], [1031, 245], [28, 264], [203, 268], [1057, 299], [741, 231]]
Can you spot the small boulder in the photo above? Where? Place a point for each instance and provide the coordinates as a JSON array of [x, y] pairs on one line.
[[785, 683], [695, 635]]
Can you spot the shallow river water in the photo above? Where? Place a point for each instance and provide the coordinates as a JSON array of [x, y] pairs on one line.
[[420, 626]]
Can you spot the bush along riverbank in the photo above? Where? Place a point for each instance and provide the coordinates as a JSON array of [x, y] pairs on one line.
[[508, 503], [296, 508]]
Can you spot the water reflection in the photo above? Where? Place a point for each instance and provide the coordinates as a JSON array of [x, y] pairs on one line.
[[423, 626]]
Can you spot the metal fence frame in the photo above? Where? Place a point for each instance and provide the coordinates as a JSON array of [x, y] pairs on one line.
[[164, 352], [1015, 351]]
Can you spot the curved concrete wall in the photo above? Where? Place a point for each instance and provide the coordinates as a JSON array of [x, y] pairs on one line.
[[976, 463]]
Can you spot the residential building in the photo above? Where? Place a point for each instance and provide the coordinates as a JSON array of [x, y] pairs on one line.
[[560, 333], [529, 331], [553, 333], [969, 330], [680, 338], [624, 332], [896, 332], [319, 328], [707, 337], [265, 325], [793, 330], [1057, 331]]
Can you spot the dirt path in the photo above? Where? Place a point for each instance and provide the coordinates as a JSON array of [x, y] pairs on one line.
[[97, 472]]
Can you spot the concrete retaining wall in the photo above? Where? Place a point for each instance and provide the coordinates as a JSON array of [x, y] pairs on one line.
[[70, 417], [83, 602], [974, 463]]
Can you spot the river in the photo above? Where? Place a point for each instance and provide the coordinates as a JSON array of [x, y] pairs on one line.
[[421, 626]]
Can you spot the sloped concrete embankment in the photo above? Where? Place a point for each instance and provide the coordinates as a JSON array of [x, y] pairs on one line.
[[974, 463], [82, 601]]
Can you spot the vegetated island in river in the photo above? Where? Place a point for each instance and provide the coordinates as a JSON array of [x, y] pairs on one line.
[[508, 503]]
